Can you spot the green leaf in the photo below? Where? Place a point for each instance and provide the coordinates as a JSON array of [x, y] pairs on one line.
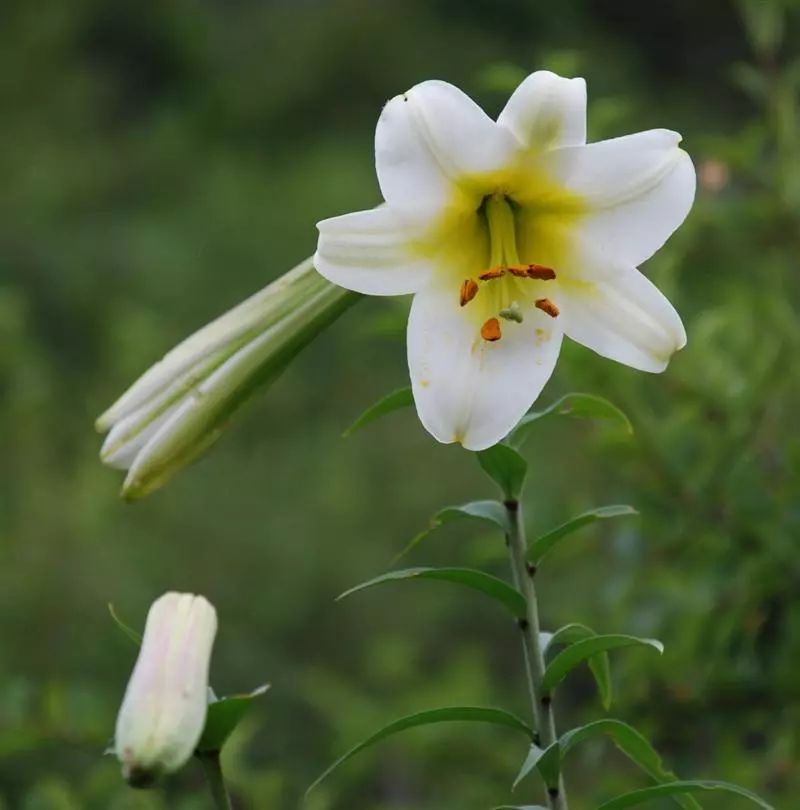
[[222, 718], [578, 406], [506, 467], [626, 738], [676, 788], [401, 398], [578, 652], [489, 511], [542, 545], [135, 637], [534, 755], [598, 663], [453, 714], [509, 597]]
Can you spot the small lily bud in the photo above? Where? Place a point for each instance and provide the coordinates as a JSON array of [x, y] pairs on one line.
[[164, 709], [179, 408]]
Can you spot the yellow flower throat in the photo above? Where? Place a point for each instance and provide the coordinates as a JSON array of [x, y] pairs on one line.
[[503, 285]]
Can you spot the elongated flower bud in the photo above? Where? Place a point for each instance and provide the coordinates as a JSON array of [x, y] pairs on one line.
[[164, 709], [178, 408]]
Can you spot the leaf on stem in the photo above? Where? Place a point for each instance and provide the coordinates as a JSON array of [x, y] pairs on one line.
[[578, 406], [489, 511], [680, 787], [135, 637], [598, 663], [578, 652], [541, 546], [401, 398], [468, 714], [506, 467], [626, 738], [487, 584], [222, 718]]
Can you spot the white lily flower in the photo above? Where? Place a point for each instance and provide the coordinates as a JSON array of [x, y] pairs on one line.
[[180, 406], [164, 709], [511, 234]]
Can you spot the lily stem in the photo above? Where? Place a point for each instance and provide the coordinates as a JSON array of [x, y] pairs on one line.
[[213, 767], [541, 704]]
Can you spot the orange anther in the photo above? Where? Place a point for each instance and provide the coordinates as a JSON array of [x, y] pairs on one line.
[[540, 272], [547, 306], [469, 289], [491, 330], [518, 270], [494, 272]]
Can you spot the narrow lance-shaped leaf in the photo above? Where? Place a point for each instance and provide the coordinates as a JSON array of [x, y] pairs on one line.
[[531, 760], [542, 545], [499, 590], [488, 511], [468, 714], [677, 788], [626, 738], [506, 467], [222, 718], [401, 398], [578, 652], [577, 406], [598, 663]]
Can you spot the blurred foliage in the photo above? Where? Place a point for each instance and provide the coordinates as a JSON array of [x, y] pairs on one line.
[[160, 161]]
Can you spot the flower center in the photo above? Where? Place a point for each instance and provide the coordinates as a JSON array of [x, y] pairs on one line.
[[504, 284]]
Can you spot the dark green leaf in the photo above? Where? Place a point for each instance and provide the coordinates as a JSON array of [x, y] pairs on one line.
[[490, 511], [542, 545], [135, 637], [534, 755], [598, 664], [468, 714], [401, 398], [578, 652], [512, 599], [578, 406], [222, 718], [626, 738], [676, 788], [506, 467]]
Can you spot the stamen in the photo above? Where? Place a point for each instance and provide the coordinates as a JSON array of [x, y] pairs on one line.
[[494, 272], [547, 306], [491, 330], [469, 289], [518, 270], [540, 272]]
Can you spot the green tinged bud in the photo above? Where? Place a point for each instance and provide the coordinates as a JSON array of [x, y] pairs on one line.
[[179, 407]]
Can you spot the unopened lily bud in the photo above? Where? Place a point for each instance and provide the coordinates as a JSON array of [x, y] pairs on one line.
[[164, 709], [179, 408]]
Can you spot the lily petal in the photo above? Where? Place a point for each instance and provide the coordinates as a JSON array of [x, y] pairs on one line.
[[623, 317], [428, 144], [370, 252], [638, 189], [547, 111], [469, 390]]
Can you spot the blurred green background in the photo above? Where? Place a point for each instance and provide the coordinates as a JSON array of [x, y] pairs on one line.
[[160, 161]]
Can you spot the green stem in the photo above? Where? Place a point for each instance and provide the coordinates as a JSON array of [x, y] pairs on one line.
[[216, 782], [541, 704]]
